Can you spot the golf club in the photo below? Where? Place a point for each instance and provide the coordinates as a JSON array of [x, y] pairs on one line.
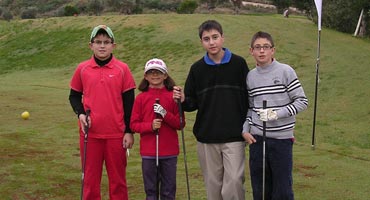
[[264, 154], [157, 116], [86, 128], [183, 147]]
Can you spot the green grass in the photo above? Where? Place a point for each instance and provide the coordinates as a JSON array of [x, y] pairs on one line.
[[40, 156]]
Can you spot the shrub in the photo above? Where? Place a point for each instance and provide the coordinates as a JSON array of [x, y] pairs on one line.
[[82, 6], [29, 13], [7, 15], [187, 7], [70, 11], [137, 10], [95, 6], [58, 12], [153, 4]]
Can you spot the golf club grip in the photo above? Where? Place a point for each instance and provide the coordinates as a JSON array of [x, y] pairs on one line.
[[88, 113], [87, 121], [264, 106], [157, 116], [180, 111]]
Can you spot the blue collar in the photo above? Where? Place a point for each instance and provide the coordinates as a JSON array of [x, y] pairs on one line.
[[225, 59]]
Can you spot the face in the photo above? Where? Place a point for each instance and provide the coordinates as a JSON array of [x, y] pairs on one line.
[[212, 41], [262, 51], [102, 46], [155, 78]]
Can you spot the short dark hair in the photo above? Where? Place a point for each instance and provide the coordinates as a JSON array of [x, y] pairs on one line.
[[168, 83], [261, 34], [209, 25]]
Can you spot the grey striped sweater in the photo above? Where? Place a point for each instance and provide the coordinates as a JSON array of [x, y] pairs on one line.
[[278, 84]]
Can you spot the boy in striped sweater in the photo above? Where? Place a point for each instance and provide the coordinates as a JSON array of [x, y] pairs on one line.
[[278, 84]]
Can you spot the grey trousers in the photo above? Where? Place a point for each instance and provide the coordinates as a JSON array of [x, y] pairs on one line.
[[223, 168]]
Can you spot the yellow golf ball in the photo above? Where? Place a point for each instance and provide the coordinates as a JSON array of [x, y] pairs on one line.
[[25, 115]]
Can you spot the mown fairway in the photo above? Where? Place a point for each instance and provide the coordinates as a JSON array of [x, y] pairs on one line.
[[39, 157]]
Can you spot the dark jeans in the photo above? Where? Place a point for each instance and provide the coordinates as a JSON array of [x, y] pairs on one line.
[[167, 177], [279, 162]]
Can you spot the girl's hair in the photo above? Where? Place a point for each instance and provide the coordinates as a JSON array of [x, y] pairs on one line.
[[209, 25], [261, 34], [168, 83]]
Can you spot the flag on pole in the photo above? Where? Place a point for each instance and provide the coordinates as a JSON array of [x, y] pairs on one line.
[[318, 8]]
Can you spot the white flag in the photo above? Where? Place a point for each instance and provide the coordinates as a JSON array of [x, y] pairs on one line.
[[318, 8]]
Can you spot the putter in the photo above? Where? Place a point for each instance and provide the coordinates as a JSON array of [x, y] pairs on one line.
[[157, 116], [183, 147], [264, 155], [86, 128]]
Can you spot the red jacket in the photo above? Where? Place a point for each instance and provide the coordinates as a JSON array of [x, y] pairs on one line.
[[142, 118]]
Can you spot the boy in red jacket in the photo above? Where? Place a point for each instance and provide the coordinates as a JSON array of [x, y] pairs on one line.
[[105, 86]]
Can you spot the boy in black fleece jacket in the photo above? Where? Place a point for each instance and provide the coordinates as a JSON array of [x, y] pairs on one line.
[[216, 88]]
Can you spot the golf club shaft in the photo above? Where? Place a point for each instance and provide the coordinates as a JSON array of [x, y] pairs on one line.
[[264, 155], [183, 147], [86, 129], [157, 116]]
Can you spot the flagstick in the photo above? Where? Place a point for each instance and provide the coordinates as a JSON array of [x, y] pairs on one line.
[[316, 85], [318, 4]]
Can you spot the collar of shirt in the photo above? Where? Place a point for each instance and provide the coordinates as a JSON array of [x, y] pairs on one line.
[[102, 63], [225, 59], [266, 68]]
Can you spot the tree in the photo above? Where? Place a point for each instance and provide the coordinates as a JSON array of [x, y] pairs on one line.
[[342, 15], [29, 13], [237, 5], [95, 6], [7, 15], [187, 7], [281, 5], [365, 28], [126, 7], [308, 6], [70, 11]]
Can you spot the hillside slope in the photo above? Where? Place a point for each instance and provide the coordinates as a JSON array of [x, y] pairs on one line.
[[62, 42], [38, 58]]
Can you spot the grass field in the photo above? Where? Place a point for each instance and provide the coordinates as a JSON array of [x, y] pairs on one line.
[[39, 157]]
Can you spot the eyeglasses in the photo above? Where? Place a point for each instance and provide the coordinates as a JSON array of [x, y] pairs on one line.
[[98, 42], [264, 47], [154, 71]]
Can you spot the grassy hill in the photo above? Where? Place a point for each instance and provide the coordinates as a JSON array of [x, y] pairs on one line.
[[39, 157]]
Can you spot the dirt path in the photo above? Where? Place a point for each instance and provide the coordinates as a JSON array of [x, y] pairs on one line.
[[246, 3]]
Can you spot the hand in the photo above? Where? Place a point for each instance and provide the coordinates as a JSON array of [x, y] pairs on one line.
[[156, 124], [178, 94], [128, 140], [158, 109], [249, 138], [267, 114], [85, 121]]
